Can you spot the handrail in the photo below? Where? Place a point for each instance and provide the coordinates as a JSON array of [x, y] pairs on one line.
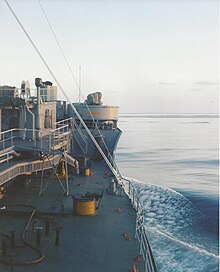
[[56, 136], [82, 137], [112, 161], [27, 166], [3, 152], [71, 121], [18, 129], [68, 121], [60, 128], [79, 130], [109, 156], [140, 231], [11, 134]]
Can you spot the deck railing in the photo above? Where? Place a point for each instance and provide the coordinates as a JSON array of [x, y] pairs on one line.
[[59, 137], [80, 138], [140, 231], [21, 168], [77, 133], [68, 121], [55, 138], [8, 137]]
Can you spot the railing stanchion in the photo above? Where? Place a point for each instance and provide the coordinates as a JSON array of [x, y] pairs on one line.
[[11, 138], [3, 140], [140, 232], [49, 143], [41, 139]]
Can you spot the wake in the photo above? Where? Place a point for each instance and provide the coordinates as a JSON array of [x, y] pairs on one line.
[[173, 217], [176, 240]]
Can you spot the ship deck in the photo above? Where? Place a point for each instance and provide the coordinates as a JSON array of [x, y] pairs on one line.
[[87, 243]]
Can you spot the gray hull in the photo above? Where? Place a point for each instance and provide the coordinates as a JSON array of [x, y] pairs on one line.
[[108, 138]]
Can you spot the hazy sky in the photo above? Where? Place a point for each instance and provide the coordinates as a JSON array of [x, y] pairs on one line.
[[145, 56]]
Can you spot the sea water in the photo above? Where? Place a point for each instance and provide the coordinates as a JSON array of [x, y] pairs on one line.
[[173, 161]]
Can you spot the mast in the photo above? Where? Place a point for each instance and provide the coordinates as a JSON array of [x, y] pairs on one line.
[[79, 83]]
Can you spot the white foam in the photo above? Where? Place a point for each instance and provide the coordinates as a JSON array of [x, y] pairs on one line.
[[194, 247], [170, 210], [170, 221]]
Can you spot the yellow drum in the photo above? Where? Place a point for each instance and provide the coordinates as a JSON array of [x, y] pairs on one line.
[[84, 206]]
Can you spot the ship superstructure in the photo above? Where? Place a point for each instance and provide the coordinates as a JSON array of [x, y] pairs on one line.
[[62, 207], [101, 121]]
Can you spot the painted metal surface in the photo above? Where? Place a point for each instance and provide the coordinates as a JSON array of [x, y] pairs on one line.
[[98, 112]]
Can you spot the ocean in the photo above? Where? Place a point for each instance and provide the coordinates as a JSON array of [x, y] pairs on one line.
[[173, 162]]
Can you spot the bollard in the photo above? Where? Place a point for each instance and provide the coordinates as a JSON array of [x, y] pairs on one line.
[[38, 235]]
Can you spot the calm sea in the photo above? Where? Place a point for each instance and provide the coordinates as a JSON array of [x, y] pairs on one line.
[[173, 161]]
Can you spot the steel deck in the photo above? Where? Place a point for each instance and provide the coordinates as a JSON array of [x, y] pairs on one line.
[[87, 243]]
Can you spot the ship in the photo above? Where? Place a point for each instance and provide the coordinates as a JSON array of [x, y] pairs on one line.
[[64, 206]]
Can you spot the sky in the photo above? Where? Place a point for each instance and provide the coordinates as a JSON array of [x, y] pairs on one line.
[[146, 56]]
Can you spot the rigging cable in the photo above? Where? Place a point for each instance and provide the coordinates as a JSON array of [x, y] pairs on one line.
[[79, 87], [115, 173], [61, 50]]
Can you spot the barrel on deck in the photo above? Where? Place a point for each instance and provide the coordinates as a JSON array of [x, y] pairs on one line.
[[84, 206]]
